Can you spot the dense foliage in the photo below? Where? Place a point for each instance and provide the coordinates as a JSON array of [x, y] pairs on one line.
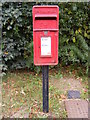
[[17, 42]]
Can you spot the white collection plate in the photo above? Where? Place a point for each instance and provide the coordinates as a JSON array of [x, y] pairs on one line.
[[45, 45]]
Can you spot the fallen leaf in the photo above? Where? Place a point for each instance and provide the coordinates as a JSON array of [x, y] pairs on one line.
[[12, 105], [3, 105], [4, 83], [63, 96], [16, 92], [22, 92], [85, 90], [6, 53]]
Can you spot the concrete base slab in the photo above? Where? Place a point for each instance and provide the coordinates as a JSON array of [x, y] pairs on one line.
[[77, 108]]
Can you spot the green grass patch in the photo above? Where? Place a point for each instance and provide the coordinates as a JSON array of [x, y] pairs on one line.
[[26, 90]]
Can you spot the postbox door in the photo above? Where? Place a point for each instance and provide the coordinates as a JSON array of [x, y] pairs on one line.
[[46, 47]]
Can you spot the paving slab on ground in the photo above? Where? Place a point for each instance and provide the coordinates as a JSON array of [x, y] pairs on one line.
[[77, 108]]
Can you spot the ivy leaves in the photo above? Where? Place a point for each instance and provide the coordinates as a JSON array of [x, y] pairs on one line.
[[16, 33], [18, 36]]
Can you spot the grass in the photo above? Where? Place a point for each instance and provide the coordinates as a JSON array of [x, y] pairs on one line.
[[24, 90]]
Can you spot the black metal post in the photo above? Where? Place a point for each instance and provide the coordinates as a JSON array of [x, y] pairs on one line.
[[45, 71]]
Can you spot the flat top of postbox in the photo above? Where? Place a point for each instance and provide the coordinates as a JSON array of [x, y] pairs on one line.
[[43, 6], [45, 9]]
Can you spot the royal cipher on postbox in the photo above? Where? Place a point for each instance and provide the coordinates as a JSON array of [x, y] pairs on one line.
[[45, 34]]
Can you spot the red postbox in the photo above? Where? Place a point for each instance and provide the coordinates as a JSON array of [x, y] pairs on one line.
[[45, 34]]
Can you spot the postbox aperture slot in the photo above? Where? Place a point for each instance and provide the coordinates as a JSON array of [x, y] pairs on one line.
[[45, 18]]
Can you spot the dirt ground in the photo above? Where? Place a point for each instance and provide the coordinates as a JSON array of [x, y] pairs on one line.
[[60, 83], [67, 84]]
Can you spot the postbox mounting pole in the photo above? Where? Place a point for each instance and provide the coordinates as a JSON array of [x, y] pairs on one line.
[[45, 71]]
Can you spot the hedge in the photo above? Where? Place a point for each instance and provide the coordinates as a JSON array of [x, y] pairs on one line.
[[17, 44]]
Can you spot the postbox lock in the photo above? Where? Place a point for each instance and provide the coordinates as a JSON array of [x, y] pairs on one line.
[[45, 32]]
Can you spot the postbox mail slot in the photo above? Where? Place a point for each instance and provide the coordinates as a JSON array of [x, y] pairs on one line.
[[46, 16]]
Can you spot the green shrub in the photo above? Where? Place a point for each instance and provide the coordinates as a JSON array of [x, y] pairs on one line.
[[17, 44]]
